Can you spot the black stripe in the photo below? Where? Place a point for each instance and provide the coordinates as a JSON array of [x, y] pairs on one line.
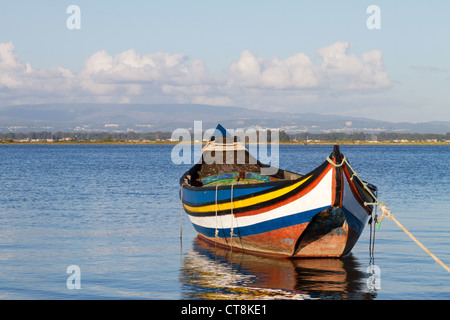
[[314, 175], [336, 154], [278, 185]]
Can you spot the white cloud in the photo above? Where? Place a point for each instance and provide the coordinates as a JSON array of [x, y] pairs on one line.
[[338, 70], [19, 80], [346, 71], [295, 72], [251, 81]]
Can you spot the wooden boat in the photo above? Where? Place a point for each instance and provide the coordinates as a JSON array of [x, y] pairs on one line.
[[319, 214]]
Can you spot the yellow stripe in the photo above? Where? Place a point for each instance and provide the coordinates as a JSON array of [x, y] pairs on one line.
[[246, 202]]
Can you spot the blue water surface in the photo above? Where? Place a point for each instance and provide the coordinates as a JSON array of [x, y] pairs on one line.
[[114, 211]]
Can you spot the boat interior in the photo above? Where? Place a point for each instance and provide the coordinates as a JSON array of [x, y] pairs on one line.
[[231, 167]]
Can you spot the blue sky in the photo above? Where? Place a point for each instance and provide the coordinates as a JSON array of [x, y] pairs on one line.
[[298, 56]]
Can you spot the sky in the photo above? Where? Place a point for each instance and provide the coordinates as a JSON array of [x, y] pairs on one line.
[[296, 56]]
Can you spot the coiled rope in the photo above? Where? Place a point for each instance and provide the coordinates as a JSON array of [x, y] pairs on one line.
[[386, 212]]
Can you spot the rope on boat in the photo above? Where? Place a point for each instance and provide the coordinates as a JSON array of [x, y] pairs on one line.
[[216, 233], [386, 212], [231, 233], [181, 215], [372, 240], [344, 160]]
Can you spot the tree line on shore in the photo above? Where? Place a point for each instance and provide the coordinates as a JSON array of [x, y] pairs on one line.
[[164, 136]]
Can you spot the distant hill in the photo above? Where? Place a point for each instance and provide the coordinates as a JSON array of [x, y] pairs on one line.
[[167, 117]]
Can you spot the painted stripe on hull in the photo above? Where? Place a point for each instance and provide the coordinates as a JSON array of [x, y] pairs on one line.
[[356, 214], [245, 202], [208, 195], [319, 197], [257, 197], [280, 242], [261, 227]]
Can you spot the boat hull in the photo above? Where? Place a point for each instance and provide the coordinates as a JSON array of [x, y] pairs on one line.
[[321, 214]]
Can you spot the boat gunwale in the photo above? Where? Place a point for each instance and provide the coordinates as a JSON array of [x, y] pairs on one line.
[[308, 179], [249, 185], [239, 186], [273, 185]]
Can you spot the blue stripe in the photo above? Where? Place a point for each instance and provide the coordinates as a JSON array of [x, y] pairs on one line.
[[262, 227], [205, 196], [353, 221]]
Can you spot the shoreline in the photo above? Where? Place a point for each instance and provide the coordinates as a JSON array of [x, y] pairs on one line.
[[158, 143]]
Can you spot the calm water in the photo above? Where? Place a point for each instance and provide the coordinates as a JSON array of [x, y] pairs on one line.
[[114, 211]]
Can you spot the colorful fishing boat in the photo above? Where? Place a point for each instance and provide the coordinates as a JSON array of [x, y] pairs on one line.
[[318, 214]]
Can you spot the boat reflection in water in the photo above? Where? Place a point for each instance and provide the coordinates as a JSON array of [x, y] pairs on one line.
[[210, 272]]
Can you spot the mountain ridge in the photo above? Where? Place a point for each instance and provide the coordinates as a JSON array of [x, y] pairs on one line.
[[167, 117]]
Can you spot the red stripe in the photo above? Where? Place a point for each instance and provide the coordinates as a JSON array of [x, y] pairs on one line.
[[296, 196], [355, 191]]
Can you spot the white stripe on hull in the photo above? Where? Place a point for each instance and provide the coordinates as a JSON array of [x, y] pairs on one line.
[[318, 197], [351, 204]]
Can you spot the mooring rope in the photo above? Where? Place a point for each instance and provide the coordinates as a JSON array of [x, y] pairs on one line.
[[181, 214], [216, 233], [231, 233], [386, 212], [335, 164], [372, 222]]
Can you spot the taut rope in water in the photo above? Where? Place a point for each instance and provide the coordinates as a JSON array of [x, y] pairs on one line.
[[387, 213]]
